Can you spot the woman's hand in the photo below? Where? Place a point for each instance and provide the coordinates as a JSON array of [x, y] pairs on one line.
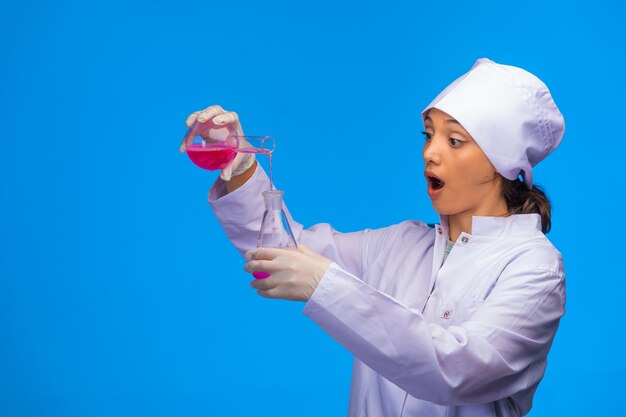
[[220, 117], [294, 275]]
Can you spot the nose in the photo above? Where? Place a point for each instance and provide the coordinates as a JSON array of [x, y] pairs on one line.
[[432, 152]]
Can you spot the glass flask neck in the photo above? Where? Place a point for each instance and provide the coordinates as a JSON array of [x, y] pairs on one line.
[[273, 199], [275, 229]]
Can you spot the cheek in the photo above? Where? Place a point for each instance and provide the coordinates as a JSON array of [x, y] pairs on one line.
[[475, 169]]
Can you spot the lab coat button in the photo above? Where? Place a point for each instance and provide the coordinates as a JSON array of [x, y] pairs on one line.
[[439, 230], [464, 239]]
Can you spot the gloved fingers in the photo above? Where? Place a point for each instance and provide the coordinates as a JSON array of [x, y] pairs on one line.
[[210, 112], [229, 170], [265, 283], [266, 253], [246, 162], [266, 293], [200, 116], [274, 287], [281, 285], [231, 118], [227, 173], [204, 115], [227, 117], [264, 265], [191, 119], [273, 293]]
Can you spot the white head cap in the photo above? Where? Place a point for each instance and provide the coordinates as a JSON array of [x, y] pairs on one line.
[[510, 114]]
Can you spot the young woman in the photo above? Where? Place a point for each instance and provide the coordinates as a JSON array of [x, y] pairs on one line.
[[451, 320]]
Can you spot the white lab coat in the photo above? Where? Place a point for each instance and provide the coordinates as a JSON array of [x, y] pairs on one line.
[[469, 338]]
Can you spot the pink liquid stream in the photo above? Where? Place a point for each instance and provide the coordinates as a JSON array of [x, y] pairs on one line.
[[218, 156]]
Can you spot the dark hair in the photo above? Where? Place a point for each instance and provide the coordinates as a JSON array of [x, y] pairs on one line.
[[521, 200]]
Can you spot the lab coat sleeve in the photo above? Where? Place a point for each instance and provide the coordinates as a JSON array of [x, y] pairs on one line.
[[241, 212], [499, 351]]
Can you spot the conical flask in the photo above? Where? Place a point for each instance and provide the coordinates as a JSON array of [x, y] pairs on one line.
[[275, 230]]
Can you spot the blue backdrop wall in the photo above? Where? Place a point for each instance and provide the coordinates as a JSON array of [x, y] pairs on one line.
[[119, 292]]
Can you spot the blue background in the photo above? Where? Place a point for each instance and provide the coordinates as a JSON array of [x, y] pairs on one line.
[[119, 292]]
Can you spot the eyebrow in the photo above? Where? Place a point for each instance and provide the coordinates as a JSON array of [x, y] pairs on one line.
[[449, 121]]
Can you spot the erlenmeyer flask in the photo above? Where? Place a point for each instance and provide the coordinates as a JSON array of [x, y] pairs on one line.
[[275, 230]]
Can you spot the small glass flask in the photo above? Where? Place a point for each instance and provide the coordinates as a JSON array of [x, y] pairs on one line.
[[275, 230]]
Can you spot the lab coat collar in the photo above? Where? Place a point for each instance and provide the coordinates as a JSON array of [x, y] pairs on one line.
[[482, 227], [515, 224]]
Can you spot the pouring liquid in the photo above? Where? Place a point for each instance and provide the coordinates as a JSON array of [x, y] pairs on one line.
[[217, 157]]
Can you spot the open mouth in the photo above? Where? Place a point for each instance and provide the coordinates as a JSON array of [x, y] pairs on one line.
[[436, 183]]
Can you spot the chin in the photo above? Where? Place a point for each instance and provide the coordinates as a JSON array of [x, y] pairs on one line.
[[443, 209], [439, 208]]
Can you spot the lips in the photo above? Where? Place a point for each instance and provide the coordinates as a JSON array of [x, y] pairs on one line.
[[435, 183]]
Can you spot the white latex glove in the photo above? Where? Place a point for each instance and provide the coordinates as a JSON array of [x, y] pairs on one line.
[[220, 117], [294, 275]]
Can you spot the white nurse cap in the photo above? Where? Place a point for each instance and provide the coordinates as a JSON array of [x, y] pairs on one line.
[[508, 111]]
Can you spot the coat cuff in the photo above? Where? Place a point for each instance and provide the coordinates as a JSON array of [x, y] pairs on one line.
[[336, 284], [241, 206]]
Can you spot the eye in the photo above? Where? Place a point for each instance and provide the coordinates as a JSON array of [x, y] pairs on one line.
[[427, 136], [455, 142]]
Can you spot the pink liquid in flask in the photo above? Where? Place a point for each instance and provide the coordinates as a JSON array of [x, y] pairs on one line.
[[260, 274], [211, 157]]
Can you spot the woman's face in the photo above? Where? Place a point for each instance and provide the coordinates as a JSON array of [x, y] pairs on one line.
[[461, 180]]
